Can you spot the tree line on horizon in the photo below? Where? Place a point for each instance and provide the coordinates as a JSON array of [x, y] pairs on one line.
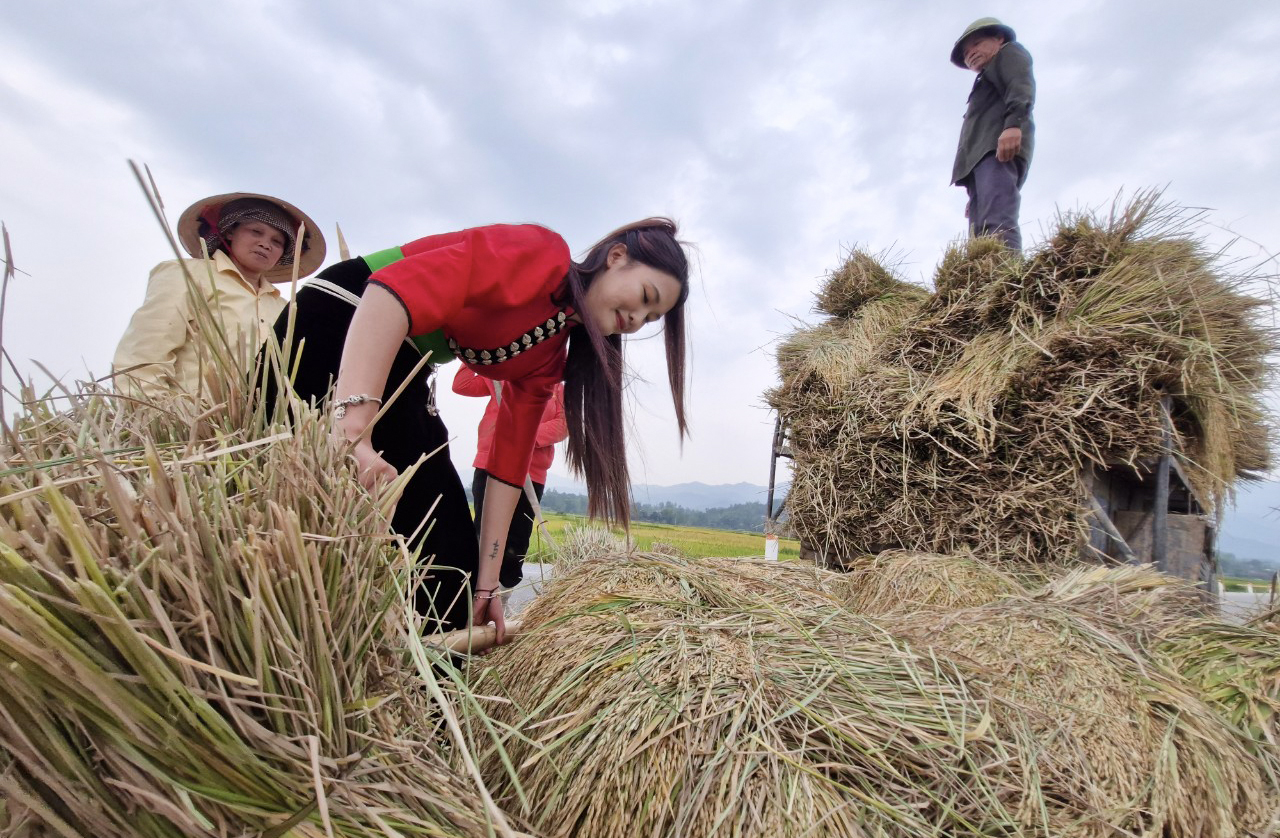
[[1246, 568], [744, 517]]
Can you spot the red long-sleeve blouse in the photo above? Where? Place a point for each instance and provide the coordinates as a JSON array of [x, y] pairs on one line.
[[490, 289], [551, 429]]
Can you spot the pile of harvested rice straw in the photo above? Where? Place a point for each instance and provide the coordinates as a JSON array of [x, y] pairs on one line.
[[202, 632], [960, 421], [1237, 670], [661, 696]]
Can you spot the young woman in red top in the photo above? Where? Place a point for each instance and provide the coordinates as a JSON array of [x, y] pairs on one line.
[[512, 305]]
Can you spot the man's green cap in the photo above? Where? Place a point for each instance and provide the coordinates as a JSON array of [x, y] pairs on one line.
[[988, 25]]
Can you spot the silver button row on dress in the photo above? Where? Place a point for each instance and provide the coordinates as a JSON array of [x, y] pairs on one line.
[[533, 337]]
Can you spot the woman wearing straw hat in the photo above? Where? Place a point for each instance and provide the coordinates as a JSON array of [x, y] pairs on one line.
[[510, 303], [250, 243]]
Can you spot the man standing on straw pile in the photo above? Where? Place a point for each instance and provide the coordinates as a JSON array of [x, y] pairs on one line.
[[997, 136]]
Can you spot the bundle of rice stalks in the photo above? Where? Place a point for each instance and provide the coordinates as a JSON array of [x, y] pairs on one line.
[[860, 280], [1236, 669], [1136, 602], [867, 303], [832, 356], [657, 696], [1111, 745], [899, 581], [966, 422], [1268, 619], [971, 266], [202, 631], [581, 544]]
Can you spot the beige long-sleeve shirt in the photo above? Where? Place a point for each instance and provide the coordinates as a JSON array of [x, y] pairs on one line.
[[160, 351]]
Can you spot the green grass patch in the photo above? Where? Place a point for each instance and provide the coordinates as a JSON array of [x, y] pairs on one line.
[[1234, 584], [694, 541]]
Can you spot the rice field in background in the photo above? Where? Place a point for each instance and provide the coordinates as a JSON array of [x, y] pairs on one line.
[[693, 541], [1237, 584], [701, 541]]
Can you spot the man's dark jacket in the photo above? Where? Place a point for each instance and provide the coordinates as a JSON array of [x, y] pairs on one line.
[[1002, 97]]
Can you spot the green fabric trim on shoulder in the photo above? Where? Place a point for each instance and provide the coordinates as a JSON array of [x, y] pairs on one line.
[[435, 343], [379, 260]]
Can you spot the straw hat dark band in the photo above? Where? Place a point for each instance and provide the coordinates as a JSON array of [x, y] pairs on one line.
[[987, 26], [217, 224], [213, 217]]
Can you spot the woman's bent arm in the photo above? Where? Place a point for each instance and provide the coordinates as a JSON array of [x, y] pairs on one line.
[[378, 327]]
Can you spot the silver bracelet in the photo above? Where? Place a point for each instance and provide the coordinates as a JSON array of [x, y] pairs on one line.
[[341, 405]]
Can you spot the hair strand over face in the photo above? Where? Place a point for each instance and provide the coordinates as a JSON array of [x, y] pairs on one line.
[[593, 373]]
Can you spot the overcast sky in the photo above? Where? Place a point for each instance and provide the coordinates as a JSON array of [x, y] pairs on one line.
[[776, 133]]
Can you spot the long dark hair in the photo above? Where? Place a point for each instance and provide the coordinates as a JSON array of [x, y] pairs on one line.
[[593, 373]]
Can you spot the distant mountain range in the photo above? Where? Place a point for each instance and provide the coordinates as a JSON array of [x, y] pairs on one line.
[[1251, 529], [702, 495]]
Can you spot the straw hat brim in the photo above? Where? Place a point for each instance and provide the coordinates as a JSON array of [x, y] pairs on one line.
[[310, 260]]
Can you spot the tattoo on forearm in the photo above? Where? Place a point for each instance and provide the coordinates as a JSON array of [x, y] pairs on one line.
[[493, 553]]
